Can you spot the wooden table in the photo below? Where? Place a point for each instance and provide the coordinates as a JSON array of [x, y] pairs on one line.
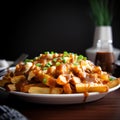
[[102, 109]]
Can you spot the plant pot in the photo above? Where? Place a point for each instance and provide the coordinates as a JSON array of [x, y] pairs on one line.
[[103, 33]]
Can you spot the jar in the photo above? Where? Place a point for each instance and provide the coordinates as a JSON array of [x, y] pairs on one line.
[[105, 56]]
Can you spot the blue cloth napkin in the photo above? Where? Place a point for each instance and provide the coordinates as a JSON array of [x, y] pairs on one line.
[[7, 113]]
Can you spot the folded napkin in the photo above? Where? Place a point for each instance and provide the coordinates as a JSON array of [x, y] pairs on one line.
[[7, 113], [3, 63]]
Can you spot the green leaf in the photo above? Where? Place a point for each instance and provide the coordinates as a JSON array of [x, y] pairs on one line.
[[100, 12]]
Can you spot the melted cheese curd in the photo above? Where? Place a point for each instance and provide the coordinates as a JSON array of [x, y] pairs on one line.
[[57, 73]]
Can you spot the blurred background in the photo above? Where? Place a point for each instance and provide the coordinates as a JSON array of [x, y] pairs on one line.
[[36, 26]]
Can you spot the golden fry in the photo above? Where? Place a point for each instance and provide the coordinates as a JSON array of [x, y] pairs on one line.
[[3, 82], [113, 83], [45, 90], [16, 79], [39, 90], [67, 88], [11, 87], [91, 88]]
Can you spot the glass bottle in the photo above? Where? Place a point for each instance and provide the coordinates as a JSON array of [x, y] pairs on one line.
[[105, 55]]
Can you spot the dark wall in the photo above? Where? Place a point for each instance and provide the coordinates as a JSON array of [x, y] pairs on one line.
[[38, 26]]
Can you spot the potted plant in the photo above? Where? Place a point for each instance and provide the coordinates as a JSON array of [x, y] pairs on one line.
[[102, 17]]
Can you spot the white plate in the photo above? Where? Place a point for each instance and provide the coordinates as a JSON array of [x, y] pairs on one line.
[[61, 98]]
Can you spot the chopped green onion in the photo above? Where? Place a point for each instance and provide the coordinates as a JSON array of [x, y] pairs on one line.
[[80, 57], [52, 52], [57, 63], [111, 78], [47, 52], [64, 59], [45, 68], [84, 58], [65, 53], [48, 64], [75, 64], [28, 60], [55, 59], [44, 81], [38, 64]]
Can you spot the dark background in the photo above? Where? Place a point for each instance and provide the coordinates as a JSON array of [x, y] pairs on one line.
[[36, 26]]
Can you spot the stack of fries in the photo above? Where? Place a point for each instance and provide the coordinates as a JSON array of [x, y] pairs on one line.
[[58, 73]]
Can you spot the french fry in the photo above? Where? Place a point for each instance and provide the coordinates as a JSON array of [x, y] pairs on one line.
[[46, 79], [31, 75], [11, 87], [56, 90], [75, 80], [61, 80], [25, 87], [45, 90], [39, 90], [4, 81], [67, 88], [114, 83], [16, 79], [91, 88]]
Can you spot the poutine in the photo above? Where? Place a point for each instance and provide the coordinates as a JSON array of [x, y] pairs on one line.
[[58, 73]]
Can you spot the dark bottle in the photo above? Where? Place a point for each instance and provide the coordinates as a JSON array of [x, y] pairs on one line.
[[105, 56], [105, 60]]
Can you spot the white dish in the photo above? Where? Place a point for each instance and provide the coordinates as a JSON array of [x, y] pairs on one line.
[[60, 98]]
